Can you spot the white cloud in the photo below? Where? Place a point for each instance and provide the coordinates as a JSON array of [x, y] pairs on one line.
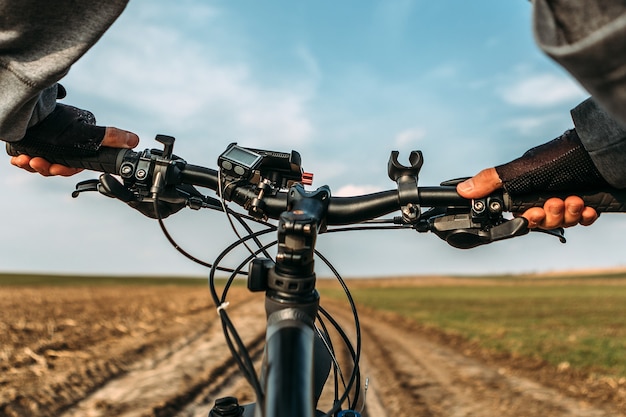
[[177, 81], [394, 15], [310, 61], [352, 190], [543, 90], [493, 42], [409, 136], [534, 124], [444, 71]]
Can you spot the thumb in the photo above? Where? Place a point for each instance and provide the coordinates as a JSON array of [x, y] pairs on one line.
[[118, 138], [480, 185]]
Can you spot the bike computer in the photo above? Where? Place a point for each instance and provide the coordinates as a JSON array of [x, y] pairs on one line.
[[239, 162]]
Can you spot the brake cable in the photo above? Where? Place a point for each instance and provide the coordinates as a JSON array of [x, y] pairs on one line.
[[223, 202], [240, 217], [170, 239]]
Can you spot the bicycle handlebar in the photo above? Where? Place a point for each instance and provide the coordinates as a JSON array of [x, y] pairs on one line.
[[342, 210]]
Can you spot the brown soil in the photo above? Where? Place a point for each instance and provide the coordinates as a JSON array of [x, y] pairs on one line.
[[159, 351]]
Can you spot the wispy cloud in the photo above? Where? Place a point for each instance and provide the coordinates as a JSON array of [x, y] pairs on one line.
[[394, 14], [310, 61], [409, 136], [533, 125], [352, 190], [541, 91], [186, 82], [444, 71]]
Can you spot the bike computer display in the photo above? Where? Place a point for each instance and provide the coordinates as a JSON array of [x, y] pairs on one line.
[[239, 162]]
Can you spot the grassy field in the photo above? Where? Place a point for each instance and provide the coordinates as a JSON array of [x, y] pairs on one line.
[[577, 323]]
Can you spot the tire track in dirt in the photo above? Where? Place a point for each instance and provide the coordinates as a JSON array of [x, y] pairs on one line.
[[229, 383], [59, 344], [162, 384], [414, 376]]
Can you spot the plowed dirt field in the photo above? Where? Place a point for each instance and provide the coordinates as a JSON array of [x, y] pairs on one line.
[[159, 351]]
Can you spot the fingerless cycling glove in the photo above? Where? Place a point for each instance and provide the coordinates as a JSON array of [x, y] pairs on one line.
[[67, 132], [562, 164]]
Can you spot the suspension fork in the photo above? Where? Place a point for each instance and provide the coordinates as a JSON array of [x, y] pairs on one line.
[[295, 365]]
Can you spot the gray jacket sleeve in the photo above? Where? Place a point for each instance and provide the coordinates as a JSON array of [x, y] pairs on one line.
[[604, 139], [588, 38], [39, 42]]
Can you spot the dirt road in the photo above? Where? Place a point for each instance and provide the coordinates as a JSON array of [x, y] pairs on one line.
[[178, 366], [413, 376]]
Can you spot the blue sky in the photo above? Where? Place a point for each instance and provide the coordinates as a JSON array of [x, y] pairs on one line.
[[343, 83]]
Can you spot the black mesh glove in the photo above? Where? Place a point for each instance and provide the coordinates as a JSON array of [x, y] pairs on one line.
[[562, 164], [67, 132]]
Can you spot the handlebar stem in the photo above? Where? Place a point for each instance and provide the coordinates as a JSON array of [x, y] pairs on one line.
[[297, 233]]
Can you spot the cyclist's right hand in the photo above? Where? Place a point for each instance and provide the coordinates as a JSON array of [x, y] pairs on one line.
[[72, 132], [562, 164], [554, 213]]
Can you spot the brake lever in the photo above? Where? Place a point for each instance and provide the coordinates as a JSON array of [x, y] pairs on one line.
[[85, 186], [171, 199], [111, 187], [461, 231], [559, 233]]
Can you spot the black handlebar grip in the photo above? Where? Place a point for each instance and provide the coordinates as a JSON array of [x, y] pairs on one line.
[[104, 160], [605, 201]]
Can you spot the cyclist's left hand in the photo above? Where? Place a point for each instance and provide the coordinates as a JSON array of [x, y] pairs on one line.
[[113, 137]]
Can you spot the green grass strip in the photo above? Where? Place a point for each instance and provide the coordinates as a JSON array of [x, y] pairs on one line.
[[582, 325]]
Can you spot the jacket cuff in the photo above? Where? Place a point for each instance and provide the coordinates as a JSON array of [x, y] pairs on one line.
[[604, 139]]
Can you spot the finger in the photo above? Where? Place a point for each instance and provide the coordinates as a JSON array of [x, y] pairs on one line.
[[480, 185], [40, 165], [535, 217], [62, 170], [47, 169], [574, 207], [555, 213], [577, 213], [118, 138], [22, 161], [589, 216]]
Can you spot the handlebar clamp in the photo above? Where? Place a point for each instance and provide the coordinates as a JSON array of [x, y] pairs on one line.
[[406, 177]]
